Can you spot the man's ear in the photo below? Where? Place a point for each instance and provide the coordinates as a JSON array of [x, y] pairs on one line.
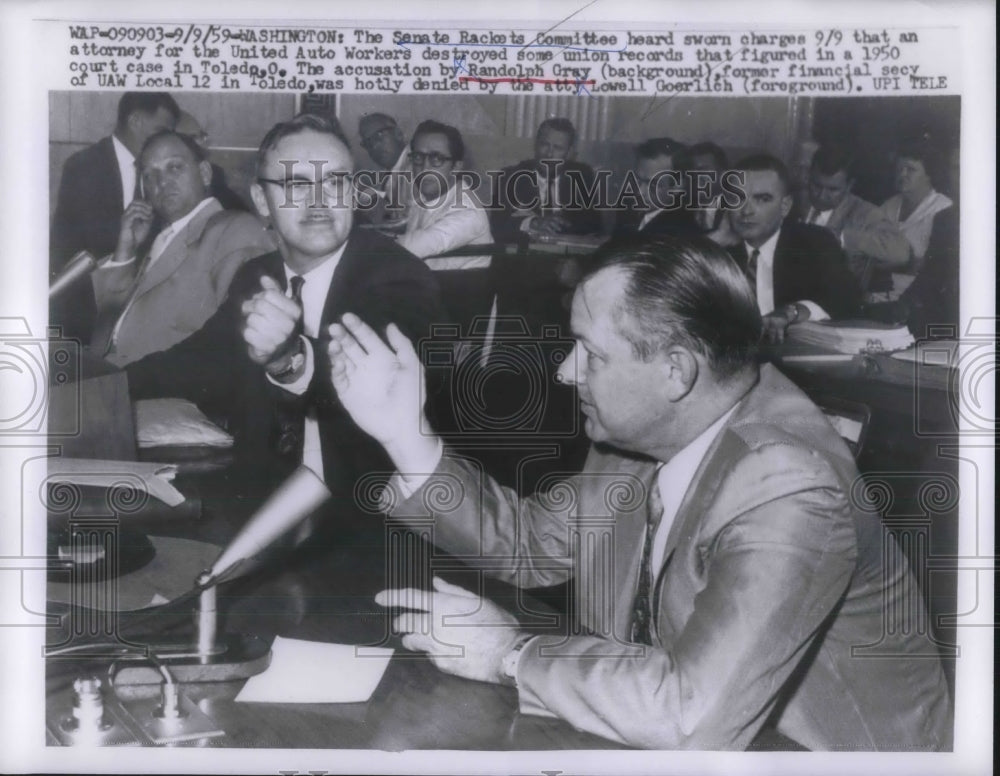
[[260, 201], [680, 371], [786, 205], [205, 169]]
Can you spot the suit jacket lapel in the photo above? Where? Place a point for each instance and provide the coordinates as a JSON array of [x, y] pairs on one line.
[[338, 297], [176, 251], [114, 185]]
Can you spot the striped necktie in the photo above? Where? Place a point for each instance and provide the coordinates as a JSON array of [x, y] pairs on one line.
[[752, 267], [642, 618]]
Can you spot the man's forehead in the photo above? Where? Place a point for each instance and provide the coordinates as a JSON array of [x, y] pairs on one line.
[[763, 181], [166, 147], [307, 151]]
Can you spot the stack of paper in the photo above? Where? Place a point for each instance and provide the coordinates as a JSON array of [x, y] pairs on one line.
[[850, 336]]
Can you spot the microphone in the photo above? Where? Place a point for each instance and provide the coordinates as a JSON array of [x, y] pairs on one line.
[[295, 499], [79, 266]]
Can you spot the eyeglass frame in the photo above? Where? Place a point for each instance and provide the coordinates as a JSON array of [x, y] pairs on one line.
[[418, 157], [290, 185]]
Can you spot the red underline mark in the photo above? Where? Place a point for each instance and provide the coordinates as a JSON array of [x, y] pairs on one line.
[[510, 80]]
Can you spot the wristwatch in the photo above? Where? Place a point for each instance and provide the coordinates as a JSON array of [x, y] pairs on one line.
[[294, 363], [508, 667]]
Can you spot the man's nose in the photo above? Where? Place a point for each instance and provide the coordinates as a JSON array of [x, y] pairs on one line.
[[567, 372]]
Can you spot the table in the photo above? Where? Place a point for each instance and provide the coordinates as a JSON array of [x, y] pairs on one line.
[[415, 706]]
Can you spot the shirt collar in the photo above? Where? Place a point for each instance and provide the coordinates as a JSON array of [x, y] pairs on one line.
[[321, 275], [766, 254], [679, 471], [183, 221]]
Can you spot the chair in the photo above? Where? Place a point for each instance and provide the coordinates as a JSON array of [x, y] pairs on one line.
[[849, 418]]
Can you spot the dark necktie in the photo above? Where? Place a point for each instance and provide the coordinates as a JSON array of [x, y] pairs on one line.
[[642, 605], [291, 414], [137, 188], [752, 267]]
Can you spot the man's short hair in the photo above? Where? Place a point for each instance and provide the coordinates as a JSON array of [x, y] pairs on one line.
[[832, 158], [688, 292], [658, 146], [559, 124], [456, 146], [708, 148], [147, 102], [766, 163], [187, 140], [304, 122]]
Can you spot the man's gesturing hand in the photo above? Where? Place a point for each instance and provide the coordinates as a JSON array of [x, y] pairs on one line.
[[381, 386], [462, 633], [271, 322]]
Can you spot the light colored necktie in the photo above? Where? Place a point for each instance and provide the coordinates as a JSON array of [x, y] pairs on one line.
[[642, 606]]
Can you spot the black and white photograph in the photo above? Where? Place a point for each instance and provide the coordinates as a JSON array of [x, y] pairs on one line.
[[588, 388]]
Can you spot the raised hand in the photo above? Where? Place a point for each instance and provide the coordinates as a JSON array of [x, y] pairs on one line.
[[462, 633], [381, 386], [136, 222], [271, 323]]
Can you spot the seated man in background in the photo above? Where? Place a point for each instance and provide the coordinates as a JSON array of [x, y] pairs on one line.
[[97, 185], [544, 196], [871, 241], [725, 579], [705, 164], [259, 362], [150, 297], [664, 211], [445, 214], [385, 143], [798, 271]]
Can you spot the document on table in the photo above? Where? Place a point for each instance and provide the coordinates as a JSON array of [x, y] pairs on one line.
[[316, 672]]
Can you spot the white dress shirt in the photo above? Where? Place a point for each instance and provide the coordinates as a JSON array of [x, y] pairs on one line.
[[444, 225], [673, 480], [126, 169], [765, 280], [314, 292]]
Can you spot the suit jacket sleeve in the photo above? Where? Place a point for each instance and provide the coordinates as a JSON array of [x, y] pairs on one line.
[[868, 232], [476, 516], [779, 552], [200, 368]]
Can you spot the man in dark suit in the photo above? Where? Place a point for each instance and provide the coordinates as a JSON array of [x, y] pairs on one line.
[[663, 211], [260, 360], [546, 195], [97, 185], [798, 270]]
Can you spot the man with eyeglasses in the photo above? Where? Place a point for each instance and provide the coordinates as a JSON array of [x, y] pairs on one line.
[[96, 186], [385, 143], [260, 362], [151, 296], [445, 213]]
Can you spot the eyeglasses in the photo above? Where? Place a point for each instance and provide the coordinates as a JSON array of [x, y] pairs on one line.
[[336, 184], [434, 159]]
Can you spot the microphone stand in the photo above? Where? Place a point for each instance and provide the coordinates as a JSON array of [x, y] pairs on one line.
[[215, 658]]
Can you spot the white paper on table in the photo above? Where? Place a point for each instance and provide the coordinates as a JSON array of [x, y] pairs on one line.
[[317, 672]]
